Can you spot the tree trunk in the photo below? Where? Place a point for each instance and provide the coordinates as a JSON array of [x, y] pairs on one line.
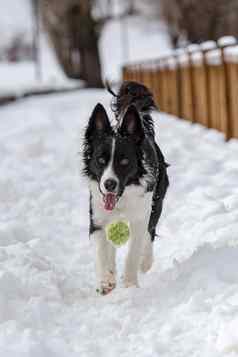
[[91, 67], [75, 39]]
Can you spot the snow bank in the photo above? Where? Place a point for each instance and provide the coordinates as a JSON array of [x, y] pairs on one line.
[[187, 304], [20, 78]]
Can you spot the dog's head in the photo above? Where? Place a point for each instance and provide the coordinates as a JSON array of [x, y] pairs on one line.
[[113, 158]]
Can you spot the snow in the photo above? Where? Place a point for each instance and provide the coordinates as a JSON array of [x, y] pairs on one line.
[[19, 78], [226, 41], [208, 45], [197, 58], [231, 54], [171, 63], [196, 55], [214, 57], [15, 18], [183, 59], [193, 47], [115, 53], [187, 305]]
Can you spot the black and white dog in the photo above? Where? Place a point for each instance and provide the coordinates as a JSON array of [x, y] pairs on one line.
[[127, 180]]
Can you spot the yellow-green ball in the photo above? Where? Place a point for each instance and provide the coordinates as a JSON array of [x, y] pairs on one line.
[[118, 233]]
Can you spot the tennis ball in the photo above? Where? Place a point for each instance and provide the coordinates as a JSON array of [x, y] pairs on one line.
[[118, 233]]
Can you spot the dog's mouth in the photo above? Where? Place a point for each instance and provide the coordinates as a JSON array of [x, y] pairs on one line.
[[110, 199]]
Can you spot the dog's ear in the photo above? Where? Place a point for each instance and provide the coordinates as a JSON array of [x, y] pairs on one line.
[[132, 124], [99, 122]]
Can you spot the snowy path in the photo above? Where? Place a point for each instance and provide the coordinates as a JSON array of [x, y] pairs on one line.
[[187, 304]]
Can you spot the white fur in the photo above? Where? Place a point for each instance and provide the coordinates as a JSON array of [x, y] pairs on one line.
[[108, 172], [105, 262], [135, 207]]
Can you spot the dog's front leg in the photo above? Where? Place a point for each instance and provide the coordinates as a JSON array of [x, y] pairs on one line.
[[147, 256], [133, 258], [105, 263]]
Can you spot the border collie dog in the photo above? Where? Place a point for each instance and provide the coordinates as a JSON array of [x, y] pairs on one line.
[[127, 180]]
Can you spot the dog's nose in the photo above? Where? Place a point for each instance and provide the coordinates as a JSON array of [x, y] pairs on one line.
[[110, 185]]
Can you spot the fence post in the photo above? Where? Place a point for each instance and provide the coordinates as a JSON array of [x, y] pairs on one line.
[[199, 83], [223, 43], [162, 94], [232, 69], [206, 47], [178, 87], [186, 93], [192, 88], [157, 84]]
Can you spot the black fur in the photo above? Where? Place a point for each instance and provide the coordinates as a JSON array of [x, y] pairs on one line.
[[92, 226], [94, 136], [133, 93], [138, 95]]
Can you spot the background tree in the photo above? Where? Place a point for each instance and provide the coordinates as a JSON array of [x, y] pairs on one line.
[[200, 20], [74, 33], [74, 27]]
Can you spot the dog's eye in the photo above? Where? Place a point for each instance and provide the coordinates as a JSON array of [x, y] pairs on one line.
[[101, 160], [124, 162]]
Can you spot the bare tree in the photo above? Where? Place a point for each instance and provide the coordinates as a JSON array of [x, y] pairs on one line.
[[200, 20], [74, 27], [74, 33]]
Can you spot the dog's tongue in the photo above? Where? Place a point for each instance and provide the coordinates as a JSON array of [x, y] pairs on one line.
[[109, 201]]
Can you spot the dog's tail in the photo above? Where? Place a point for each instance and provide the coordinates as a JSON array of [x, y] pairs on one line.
[[109, 88], [131, 93]]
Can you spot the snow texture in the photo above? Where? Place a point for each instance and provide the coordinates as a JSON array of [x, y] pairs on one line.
[[187, 305]]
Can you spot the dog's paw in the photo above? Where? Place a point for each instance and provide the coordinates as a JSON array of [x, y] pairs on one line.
[[107, 284], [129, 283], [106, 288], [146, 263]]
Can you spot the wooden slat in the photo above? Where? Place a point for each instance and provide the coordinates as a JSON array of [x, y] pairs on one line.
[[233, 79], [200, 94]]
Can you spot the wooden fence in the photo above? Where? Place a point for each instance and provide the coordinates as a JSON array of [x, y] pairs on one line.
[[198, 83]]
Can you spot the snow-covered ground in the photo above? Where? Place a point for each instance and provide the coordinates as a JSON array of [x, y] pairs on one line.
[[187, 304], [20, 78]]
